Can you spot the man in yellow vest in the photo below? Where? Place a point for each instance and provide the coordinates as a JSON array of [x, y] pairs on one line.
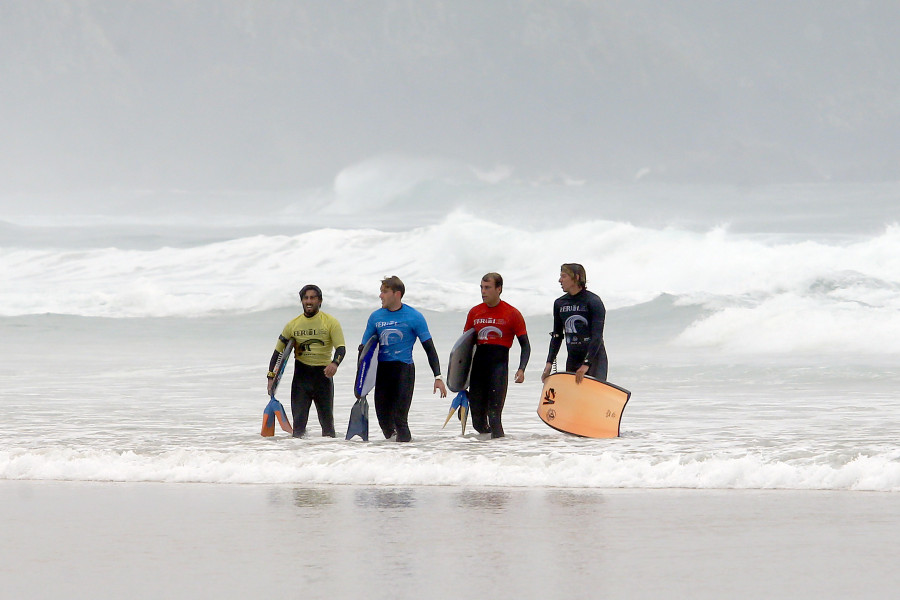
[[315, 334]]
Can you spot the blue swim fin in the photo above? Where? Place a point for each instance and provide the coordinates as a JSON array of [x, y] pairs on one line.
[[359, 420], [461, 403], [274, 410]]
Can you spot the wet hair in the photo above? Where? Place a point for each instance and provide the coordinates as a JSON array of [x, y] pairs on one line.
[[312, 287], [576, 272], [497, 278], [394, 284]]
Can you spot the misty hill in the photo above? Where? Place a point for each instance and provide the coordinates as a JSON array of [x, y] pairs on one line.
[[238, 94]]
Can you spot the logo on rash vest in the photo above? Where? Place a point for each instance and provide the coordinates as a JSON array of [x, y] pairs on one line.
[[572, 308], [490, 333], [308, 344], [299, 333], [390, 336], [490, 321], [573, 322]]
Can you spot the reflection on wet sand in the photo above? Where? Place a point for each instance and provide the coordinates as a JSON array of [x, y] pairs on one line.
[[313, 497], [385, 498], [491, 500], [303, 497], [575, 497]]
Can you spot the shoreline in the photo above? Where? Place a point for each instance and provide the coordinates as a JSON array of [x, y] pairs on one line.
[[104, 540]]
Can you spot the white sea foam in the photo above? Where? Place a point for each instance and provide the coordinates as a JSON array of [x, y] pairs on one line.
[[762, 294], [378, 465], [786, 323]]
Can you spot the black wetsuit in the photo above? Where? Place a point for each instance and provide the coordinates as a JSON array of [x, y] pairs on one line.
[[580, 318], [488, 382], [394, 383], [310, 385]]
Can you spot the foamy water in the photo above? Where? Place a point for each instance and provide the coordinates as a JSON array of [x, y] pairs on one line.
[[762, 296], [757, 358], [181, 401]]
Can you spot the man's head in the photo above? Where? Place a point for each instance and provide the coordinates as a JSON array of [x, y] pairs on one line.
[[392, 290], [491, 288], [572, 278], [311, 298]]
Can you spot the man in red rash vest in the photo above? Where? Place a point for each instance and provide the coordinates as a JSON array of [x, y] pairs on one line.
[[496, 323]]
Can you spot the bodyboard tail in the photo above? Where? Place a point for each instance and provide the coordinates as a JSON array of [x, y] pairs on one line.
[[592, 408], [359, 420], [461, 361]]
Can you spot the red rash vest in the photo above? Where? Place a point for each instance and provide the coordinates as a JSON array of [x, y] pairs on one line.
[[499, 325]]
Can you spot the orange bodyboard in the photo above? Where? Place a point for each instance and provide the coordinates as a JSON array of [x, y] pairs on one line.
[[591, 408]]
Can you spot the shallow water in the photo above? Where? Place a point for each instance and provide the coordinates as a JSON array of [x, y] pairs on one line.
[[180, 400]]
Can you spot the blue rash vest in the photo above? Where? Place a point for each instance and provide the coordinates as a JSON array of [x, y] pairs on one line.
[[397, 332]]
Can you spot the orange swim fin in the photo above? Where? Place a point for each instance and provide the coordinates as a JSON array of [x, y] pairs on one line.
[[268, 425], [282, 420], [274, 410]]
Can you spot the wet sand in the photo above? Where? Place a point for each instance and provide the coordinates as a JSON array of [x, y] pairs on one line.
[[146, 540]]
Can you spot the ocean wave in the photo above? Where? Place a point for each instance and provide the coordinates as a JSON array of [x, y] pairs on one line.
[[371, 465], [791, 323], [758, 295]]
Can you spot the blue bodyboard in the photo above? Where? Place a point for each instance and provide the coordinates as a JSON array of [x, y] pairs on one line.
[[366, 369], [281, 363]]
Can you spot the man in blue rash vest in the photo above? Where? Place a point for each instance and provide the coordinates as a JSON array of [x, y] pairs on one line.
[[497, 324], [397, 326], [315, 333], [580, 316]]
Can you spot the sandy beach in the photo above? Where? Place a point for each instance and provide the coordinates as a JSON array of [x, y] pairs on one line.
[[145, 540]]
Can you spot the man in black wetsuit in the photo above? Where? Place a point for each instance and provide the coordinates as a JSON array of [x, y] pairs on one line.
[[580, 316]]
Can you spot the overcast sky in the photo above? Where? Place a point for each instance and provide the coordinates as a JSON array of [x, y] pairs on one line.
[[237, 94]]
